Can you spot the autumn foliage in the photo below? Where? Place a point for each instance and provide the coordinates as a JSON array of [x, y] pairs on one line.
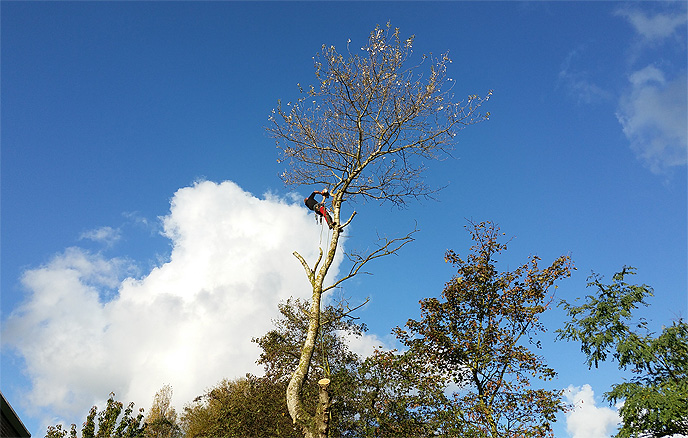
[[481, 335]]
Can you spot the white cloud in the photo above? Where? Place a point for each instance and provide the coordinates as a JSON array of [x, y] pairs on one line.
[[106, 235], [653, 111], [654, 118], [585, 419], [364, 345], [656, 27], [647, 75], [134, 217], [84, 332], [578, 82]]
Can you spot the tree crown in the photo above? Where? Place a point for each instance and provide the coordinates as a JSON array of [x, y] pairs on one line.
[[369, 122]]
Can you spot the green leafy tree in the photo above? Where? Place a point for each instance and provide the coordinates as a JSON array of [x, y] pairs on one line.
[[256, 406], [375, 397], [480, 336], [384, 395], [246, 407], [395, 397], [57, 431], [105, 423], [364, 132], [281, 346], [332, 358], [656, 397]]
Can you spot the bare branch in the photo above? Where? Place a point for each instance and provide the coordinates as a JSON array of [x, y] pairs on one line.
[[317, 262], [346, 314], [350, 219], [370, 121], [307, 268], [388, 247]]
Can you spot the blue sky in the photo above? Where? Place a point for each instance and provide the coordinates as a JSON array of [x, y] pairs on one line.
[[146, 235]]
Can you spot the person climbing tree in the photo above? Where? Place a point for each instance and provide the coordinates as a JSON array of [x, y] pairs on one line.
[[319, 207]]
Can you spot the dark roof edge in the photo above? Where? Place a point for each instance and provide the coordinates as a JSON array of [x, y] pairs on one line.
[[12, 416]]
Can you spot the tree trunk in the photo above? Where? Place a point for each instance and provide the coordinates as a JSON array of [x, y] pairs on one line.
[[294, 402], [322, 414], [312, 424]]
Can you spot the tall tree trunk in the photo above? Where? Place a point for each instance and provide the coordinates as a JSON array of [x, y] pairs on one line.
[[310, 423], [294, 402]]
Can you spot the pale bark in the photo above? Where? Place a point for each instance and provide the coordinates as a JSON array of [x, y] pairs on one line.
[[322, 414], [308, 422]]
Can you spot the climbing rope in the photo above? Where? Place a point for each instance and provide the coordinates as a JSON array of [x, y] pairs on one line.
[[321, 230], [326, 362], [323, 222]]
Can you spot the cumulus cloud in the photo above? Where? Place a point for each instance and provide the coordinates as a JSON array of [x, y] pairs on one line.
[[654, 115], [88, 328], [586, 419]]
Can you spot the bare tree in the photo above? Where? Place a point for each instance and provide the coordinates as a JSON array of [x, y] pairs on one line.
[[364, 131]]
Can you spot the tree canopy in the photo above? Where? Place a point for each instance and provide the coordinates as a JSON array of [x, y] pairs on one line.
[[104, 423], [244, 407], [371, 119], [161, 421], [655, 399], [480, 336]]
